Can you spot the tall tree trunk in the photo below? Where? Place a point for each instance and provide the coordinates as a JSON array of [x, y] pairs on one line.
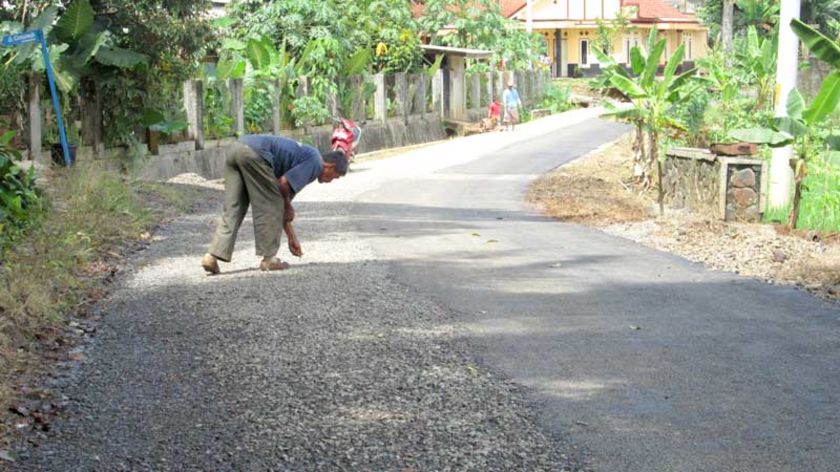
[[726, 28], [639, 153], [798, 177], [654, 161]]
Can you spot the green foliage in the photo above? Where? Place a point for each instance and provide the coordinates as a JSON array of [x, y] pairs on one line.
[[556, 98], [156, 120], [20, 199], [45, 273], [653, 99], [309, 111], [820, 208], [762, 14], [825, 14], [258, 109], [75, 22], [803, 126], [609, 30], [218, 122], [479, 24], [820, 45]]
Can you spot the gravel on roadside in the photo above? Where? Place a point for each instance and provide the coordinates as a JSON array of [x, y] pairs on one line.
[[328, 366], [594, 190]]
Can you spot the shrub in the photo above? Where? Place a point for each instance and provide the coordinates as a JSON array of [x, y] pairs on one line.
[[20, 199], [557, 98]]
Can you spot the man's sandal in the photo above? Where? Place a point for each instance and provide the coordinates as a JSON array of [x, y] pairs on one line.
[[210, 264], [273, 264]]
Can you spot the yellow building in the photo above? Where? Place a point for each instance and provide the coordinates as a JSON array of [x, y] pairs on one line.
[[570, 28]]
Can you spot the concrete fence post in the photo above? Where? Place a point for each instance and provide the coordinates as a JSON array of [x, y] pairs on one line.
[[421, 81], [34, 112], [401, 95], [438, 106], [189, 106], [380, 104], [237, 105], [476, 92], [332, 99], [357, 108], [457, 88], [491, 92], [532, 85], [198, 113]]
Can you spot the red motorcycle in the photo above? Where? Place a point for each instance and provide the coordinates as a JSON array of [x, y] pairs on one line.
[[345, 137]]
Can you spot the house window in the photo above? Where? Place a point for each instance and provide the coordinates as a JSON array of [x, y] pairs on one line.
[[584, 52], [689, 46]]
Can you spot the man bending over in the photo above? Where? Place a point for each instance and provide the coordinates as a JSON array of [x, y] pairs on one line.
[[266, 172]]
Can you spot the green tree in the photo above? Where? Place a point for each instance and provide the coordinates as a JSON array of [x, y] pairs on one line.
[[479, 24], [609, 30]]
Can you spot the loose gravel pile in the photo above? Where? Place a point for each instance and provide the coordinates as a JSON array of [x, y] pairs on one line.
[[328, 366], [591, 191], [749, 249]]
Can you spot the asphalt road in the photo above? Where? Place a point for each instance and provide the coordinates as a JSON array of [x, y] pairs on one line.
[[437, 323], [648, 361]]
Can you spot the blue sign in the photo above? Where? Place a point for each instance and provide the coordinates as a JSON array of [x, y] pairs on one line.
[[21, 38], [12, 40]]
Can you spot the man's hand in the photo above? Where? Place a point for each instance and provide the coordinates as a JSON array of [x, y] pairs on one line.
[[295, 249], [288, 213], [294, 244]]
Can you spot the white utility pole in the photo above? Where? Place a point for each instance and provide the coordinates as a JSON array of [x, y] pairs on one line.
[[726, 28], [529, 25], [787, 68], [529, 19]]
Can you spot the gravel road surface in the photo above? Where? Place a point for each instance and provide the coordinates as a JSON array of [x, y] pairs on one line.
[[332, 365], [437, 323]]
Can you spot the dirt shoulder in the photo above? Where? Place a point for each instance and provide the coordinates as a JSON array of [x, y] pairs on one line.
[[596, 191]]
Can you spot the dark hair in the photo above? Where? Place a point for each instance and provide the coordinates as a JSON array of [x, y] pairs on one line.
[[337, 158]]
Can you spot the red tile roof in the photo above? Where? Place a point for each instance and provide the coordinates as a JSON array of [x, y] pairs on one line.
[[658, 11], [650, 11], [508, 7]]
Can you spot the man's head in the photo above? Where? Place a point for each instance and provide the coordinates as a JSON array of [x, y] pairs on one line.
[[510, 85], [335, 166]]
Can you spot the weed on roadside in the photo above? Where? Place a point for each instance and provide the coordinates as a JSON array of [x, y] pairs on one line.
[[57, 267]]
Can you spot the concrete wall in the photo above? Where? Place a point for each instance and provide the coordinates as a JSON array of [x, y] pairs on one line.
[[209, 162]]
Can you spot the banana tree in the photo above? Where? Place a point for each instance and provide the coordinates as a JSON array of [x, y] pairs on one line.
[[632, 115], [801, 126], [653, 98], [80, 50], [757, 56]]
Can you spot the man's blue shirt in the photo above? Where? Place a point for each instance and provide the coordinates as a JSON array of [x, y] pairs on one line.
[[299, 163]]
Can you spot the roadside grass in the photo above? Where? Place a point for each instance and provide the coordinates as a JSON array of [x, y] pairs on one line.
[[55, 269], [820, 208]]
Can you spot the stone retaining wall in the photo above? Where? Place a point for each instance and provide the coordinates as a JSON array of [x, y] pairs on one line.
[[729, 187]]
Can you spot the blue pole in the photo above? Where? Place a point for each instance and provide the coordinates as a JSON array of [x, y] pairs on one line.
[[46, 53]]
